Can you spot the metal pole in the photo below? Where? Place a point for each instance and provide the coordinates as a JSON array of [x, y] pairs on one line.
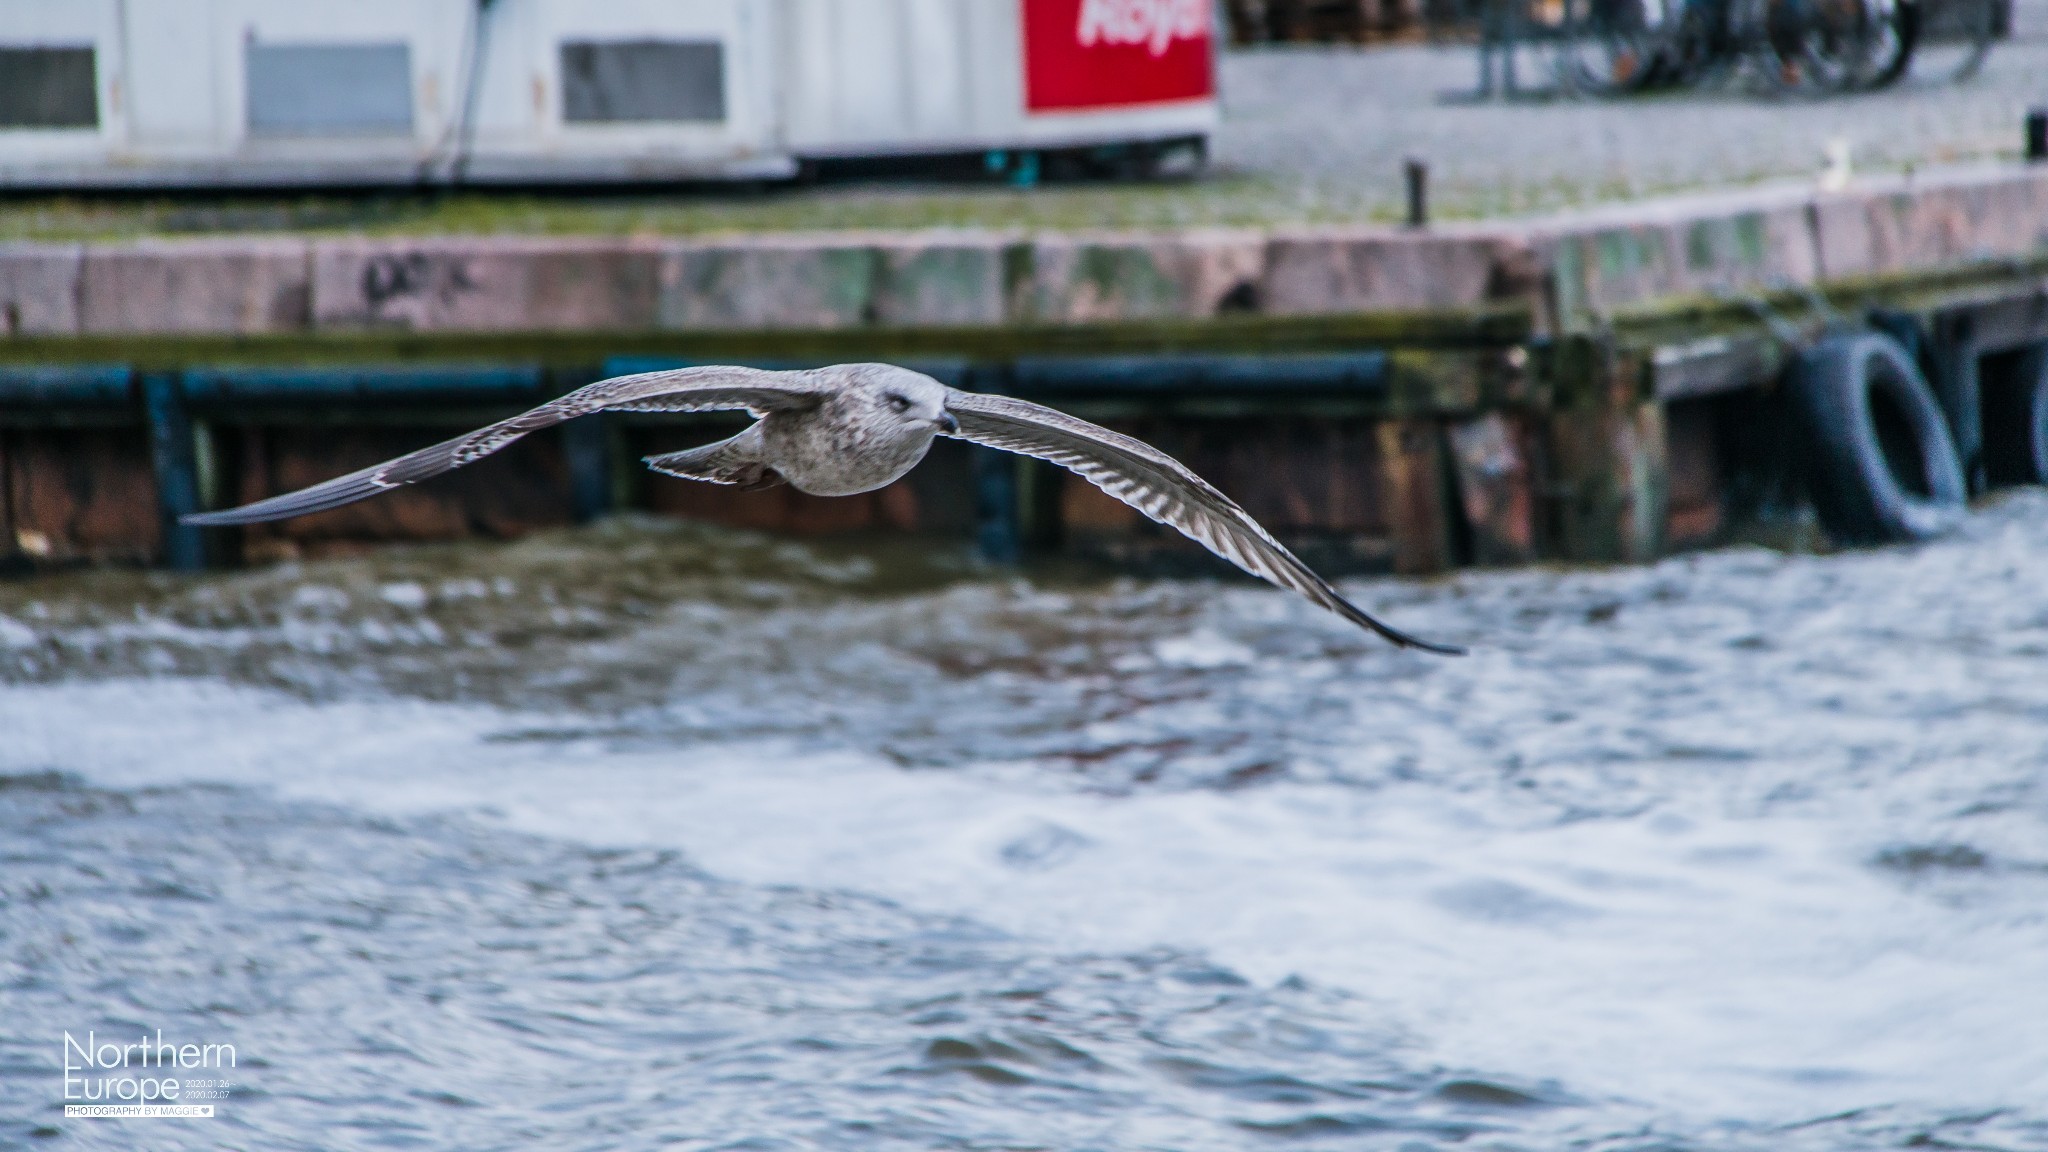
[[177, 470], [997, 508], [587, 442]]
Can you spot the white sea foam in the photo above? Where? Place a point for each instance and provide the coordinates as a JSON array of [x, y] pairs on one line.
[[14, 634], [1706, 966]]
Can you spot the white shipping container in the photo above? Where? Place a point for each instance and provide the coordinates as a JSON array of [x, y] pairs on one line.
[[199, 93]]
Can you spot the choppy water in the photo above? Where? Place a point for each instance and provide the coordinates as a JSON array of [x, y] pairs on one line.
[[649, 835]]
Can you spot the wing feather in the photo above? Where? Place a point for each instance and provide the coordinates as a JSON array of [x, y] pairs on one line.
[[1159, 486], [679, 390]]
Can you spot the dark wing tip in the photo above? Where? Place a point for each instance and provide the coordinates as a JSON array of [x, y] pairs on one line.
[[1395, 636], [319, 498], [1426, 646], [1401, 639], [211, 519], [231, 517]]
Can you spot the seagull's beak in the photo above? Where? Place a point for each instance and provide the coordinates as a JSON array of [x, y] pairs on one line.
[[947, 424]]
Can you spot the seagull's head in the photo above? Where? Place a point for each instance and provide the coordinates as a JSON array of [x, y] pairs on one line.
[[913, 399]]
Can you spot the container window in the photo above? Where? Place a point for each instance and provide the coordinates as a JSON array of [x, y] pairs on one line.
[[610, 81], [48, 88], [330, 89]]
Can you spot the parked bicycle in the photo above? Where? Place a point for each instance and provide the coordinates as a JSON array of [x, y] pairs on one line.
[[1614, 47]]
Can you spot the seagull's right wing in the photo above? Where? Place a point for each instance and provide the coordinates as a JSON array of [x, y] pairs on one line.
[[1162, 488], [678, 390]]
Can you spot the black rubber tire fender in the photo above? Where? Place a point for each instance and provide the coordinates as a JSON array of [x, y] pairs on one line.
[[1880, 462], [2016, 419]]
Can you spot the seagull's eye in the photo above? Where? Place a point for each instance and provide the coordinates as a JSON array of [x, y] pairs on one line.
[[899, 402]]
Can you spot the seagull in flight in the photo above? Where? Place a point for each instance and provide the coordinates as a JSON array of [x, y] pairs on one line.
[[853, 428]]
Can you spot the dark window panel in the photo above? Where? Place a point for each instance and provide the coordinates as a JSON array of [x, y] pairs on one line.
[[48, 88], [619, 81]]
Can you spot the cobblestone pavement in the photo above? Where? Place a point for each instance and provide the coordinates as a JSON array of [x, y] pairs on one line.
[[1326, 129]]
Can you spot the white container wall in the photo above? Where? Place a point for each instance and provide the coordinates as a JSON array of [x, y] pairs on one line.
[[628, 89], [62, 103], [283, 92]]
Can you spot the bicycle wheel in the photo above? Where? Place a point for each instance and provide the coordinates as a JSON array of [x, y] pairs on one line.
[[1956, 35], [1818, 47], [1612, 47], [1698, 46], [1894, 35]]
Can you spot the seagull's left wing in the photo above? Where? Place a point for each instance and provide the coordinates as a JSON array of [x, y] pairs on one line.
[[678, 390], [1158, 486]]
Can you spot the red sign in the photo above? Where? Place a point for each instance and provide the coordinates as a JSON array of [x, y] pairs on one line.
[[1106, 53]]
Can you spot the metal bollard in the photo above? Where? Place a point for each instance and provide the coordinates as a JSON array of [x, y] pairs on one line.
[[1418, 192]]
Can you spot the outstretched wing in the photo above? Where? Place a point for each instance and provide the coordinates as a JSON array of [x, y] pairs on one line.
[[1159, 486], [679, 390]]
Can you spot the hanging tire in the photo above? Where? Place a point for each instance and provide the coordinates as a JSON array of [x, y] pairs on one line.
[[2016, 417], [1880, 462]]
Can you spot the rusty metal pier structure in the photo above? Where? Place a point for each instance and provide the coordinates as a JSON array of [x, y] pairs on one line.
[[1598, 387]]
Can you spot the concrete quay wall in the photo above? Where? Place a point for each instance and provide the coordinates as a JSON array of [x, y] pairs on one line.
[[1575, 269], [265, 285]]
